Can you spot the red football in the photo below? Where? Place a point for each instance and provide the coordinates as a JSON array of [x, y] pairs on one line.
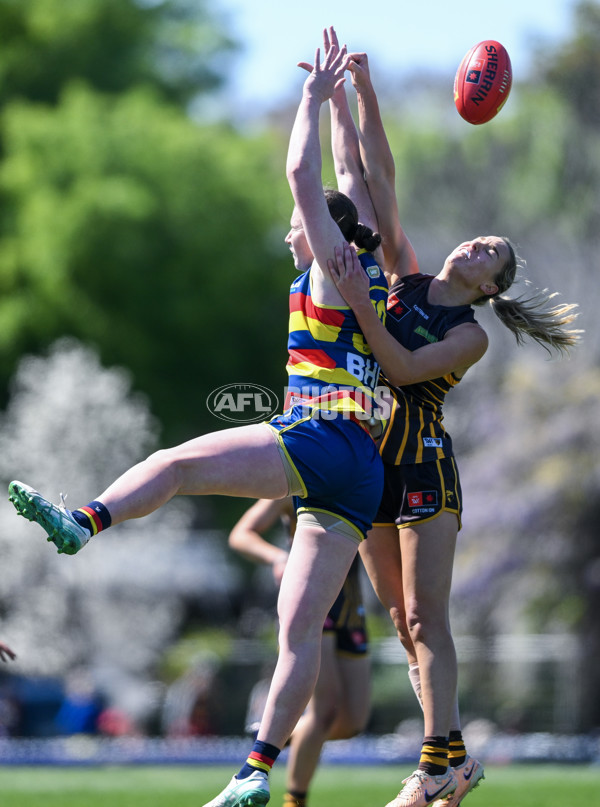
[[482, 82]]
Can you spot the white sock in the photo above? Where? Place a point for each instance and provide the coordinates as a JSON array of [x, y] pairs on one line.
[[415, 680]]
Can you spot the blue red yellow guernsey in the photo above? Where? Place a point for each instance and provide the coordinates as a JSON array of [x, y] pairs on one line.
[[330, 365], [415, 431]]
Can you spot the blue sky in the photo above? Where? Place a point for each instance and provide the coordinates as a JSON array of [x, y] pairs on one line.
[[400, 36]]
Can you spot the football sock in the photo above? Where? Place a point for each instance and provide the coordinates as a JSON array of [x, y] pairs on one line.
[[434, 755], [455, 719], [94, 517], [457, 753], [294, 798], [262, 758], [415, 681]]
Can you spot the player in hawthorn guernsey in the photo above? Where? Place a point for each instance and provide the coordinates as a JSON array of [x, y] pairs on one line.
[[429, 340]]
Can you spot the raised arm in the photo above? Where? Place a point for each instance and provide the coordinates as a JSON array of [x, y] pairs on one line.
[[380, 174], [304, 166], [345, 147]]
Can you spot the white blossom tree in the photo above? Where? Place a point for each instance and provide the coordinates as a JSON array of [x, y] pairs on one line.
[[73, 426]]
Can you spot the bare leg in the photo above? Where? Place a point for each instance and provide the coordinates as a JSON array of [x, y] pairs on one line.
[[427, 559], [244, 461], [338, 709], [426, 597], [318, 565], [355, 704], [381, 556]]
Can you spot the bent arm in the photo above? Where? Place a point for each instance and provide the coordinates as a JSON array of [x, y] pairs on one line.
[[455, 353], [461, 347], [247, 535]]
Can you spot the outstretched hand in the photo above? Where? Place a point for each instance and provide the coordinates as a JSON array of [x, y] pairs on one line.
[[349, 277], [358, 67], [6, 651], [357, 63], [330, 40], [326, 78]]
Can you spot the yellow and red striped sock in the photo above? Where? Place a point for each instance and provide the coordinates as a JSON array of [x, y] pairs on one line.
[[94, 517], [262, 758]]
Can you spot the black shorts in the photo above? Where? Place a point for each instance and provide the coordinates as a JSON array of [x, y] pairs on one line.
[[347, 617], [416, 493]]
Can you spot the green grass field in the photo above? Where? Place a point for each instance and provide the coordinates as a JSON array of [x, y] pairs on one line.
[[334, 786]]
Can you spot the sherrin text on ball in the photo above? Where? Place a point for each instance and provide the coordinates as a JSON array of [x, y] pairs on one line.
[[482, 82]]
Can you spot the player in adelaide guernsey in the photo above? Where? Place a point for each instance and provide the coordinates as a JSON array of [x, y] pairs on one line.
[[320, 450]]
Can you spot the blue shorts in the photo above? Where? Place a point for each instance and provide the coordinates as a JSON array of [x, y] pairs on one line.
[[338, 463]]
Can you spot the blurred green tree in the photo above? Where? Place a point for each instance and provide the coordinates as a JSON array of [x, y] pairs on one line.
[[111, 45], [122, 221], [573, 69], [138, 231]]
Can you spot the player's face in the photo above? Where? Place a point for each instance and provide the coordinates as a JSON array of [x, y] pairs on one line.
[[480, 260], [298, 244]]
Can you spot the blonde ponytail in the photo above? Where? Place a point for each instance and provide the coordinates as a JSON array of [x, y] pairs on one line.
[[531, 317]]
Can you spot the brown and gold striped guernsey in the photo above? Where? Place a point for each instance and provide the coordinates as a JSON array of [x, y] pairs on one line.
[[414, 431]]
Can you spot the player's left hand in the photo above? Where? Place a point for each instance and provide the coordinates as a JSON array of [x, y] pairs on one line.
[[348, 275]]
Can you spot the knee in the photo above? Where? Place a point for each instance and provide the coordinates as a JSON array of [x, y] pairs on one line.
[[348, 724], [403, 629], [296, 631], [327, 718], [163, 458], [350, 727], [398, 617], [320, 720], [426, 617], [170, 462], [158, 457]]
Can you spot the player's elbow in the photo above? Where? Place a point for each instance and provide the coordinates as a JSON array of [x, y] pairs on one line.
[[293, 169], [302, 175], [399, 377], [235, 541], [381, 173], [298, 170]]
